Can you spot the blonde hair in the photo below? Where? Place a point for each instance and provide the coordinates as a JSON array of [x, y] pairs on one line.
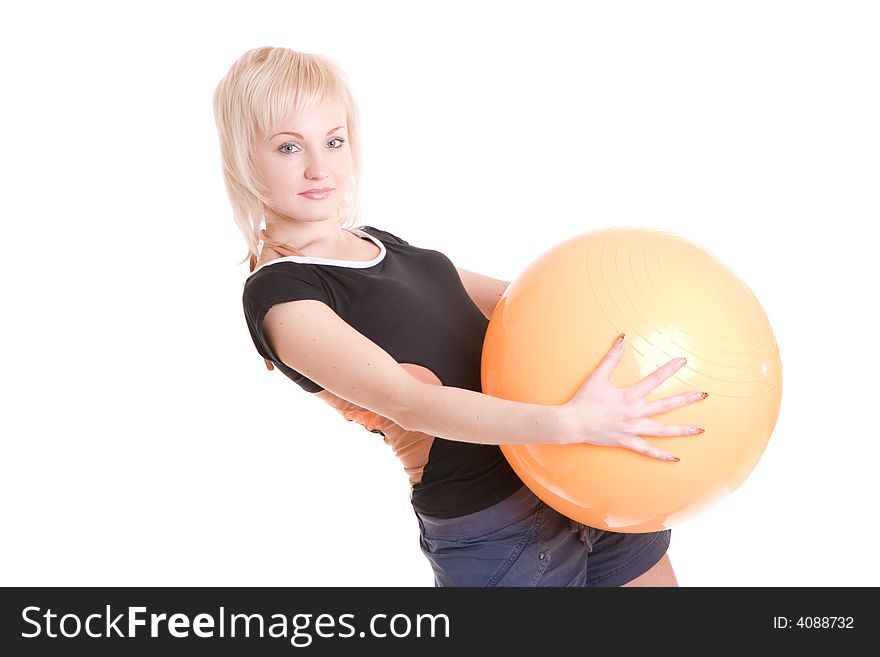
[[264, 86]]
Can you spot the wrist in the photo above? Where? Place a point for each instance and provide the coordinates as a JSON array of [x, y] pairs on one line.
[[562, 425]]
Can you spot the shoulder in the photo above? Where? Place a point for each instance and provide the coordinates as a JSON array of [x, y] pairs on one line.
[[281, 282], [279, 272], [383, 235]]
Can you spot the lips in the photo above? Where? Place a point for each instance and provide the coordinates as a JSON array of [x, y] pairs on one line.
[[323, 192]]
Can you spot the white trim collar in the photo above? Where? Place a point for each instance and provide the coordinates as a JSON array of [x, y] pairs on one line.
[[314, 260]]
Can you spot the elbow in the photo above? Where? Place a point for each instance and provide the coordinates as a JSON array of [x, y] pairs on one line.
[[411, 401], [406, 411]]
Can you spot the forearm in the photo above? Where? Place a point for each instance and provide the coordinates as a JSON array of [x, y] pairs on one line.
[[473, 417]]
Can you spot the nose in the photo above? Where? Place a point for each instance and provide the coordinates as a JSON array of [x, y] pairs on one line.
[[316, 168]]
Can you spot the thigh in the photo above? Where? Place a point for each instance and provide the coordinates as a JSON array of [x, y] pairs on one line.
[[617, 558], [660, 574]]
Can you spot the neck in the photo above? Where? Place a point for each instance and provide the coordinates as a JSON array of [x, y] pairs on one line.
[[302, 234]]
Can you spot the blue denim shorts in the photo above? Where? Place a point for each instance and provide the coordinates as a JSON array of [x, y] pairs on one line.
[[521, 541]]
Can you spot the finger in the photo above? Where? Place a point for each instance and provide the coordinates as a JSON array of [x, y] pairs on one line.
[[612, 358], [655, 378], [636, 444], [675, 401], [651, 428]]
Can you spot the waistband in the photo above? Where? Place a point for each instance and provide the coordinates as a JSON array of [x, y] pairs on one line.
[[511, 509]]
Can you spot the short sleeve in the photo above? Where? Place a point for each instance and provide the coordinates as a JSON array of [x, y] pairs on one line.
[[272, 285]]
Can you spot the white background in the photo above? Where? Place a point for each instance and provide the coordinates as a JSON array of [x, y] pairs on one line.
[[144, 442]]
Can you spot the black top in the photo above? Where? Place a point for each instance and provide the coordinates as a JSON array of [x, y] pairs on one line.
[[411, 302]]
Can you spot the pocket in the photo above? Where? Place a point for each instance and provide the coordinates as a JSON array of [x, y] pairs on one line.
[[525, 566], [512, 556]]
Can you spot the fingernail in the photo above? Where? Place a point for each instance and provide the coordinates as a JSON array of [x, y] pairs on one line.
[[698, 430], [682, 361], [621, 337], [704, 395], [674, 459]]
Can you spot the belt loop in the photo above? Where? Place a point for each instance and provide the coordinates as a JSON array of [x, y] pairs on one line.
[[583, 532], [585, 537]]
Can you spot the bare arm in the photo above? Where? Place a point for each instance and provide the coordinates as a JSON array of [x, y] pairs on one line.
[[309, 337], [461, 414], [484, 291]]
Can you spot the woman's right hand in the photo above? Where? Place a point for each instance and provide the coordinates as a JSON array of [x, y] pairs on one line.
[[600, 413]]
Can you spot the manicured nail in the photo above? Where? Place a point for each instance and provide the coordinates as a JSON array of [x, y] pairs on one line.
[[704, 395], [698, 430], [620, 338], [681, 361], [674, 458]]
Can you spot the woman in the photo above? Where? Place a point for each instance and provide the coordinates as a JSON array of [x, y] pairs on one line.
[[391, 334]]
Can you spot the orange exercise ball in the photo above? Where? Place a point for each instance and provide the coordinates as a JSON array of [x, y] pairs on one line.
[[672, 299]]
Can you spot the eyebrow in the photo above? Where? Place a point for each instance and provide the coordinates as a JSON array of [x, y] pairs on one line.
[[299, 136]]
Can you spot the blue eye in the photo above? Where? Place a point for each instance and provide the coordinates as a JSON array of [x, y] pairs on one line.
[[286, 152]]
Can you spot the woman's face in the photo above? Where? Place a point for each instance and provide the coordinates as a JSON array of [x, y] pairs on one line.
[[309, 153]]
